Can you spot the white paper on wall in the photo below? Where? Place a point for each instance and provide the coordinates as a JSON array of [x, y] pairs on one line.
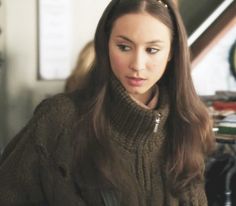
[[55, 33]]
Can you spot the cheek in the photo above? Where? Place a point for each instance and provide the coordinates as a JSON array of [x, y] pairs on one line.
[[117, 62], [159, 66]]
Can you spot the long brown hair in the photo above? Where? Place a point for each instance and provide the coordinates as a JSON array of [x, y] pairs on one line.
[[189, 135]]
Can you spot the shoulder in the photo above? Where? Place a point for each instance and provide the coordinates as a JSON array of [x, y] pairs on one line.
[[60, 104], [55, 118], [60, 109], [53, 123]]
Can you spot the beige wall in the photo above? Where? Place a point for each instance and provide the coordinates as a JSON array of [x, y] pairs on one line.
[[23, 91], [3, 102]]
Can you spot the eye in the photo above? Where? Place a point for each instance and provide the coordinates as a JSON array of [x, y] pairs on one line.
[[123, 47], [152, 50]]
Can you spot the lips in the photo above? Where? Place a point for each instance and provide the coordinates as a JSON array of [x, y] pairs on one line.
[[135, 81]]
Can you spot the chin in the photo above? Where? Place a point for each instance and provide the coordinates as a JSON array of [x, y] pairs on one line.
[[135, 92]]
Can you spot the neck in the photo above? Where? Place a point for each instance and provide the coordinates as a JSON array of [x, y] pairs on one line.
[[133, 123], [149, 100], [142, 98]]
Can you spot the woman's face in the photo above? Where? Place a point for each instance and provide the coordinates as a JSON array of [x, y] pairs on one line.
[[139, 49]]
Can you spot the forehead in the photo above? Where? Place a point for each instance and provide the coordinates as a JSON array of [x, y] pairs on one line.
[[141, 26]]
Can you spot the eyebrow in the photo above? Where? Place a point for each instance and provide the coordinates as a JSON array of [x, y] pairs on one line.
[[129, 40]]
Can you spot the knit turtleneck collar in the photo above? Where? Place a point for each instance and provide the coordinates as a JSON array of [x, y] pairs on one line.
[[132, 123]]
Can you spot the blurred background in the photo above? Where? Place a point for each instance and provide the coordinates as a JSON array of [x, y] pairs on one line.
[[40, 41]]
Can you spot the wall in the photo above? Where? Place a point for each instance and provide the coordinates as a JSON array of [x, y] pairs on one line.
[[213, 73], [23, 91], [3, 102]]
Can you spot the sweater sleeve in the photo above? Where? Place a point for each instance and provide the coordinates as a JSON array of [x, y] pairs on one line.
[[19, 169], [29, 174]]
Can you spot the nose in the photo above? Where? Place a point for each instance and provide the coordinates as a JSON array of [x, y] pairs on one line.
[[137, 62]]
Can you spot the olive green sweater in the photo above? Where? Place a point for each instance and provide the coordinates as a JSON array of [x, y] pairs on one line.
[[36, 167]]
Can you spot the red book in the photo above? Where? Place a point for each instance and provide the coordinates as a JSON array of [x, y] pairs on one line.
[[222, 105]]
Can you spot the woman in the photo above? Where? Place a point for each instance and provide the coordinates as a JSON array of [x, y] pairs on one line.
[[136, 134]]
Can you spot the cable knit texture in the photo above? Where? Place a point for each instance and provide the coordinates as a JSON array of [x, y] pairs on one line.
[[36, 166]]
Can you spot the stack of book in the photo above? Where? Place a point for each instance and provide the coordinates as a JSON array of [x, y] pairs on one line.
[[227, 125], [222, 108]]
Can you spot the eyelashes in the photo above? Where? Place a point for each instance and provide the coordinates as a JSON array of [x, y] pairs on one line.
[[123, 47], [126, 48], [152, 50]]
